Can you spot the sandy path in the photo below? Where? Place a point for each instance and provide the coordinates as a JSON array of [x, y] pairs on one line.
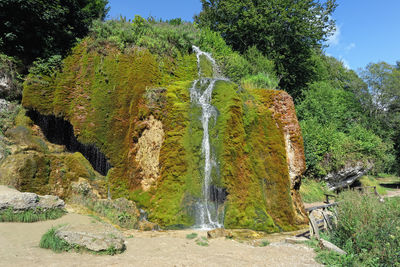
[[19, 247]]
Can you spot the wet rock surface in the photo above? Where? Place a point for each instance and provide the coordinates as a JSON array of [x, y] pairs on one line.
[[94, 237]]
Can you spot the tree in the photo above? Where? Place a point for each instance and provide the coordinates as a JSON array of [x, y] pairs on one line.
[[39, 28], [383, 82], [285, 30]]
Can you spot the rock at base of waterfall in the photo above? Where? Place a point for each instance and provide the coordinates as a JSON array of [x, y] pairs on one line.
[[94, 237], [347, 175], [145, 225], [219, 232], [12, 198]]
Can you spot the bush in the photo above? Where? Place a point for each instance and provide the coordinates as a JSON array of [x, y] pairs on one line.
[[259, 81], [368, 229]]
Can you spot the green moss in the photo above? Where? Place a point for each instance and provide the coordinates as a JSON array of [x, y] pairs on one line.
[[206, 67], [168, 207], [251, 149], [103, 92], [78, 164]]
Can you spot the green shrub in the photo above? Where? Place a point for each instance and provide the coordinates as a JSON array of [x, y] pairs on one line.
[[191, 236], [259, 81], [46, 67], [368, 230], [31, 215], [203, 241]]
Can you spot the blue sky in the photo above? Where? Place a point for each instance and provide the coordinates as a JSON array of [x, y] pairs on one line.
[[368, 30]]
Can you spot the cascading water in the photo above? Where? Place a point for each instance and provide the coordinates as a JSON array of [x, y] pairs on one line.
[[207, 212]]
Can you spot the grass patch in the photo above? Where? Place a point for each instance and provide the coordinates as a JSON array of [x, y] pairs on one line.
[[51, 241], [313, 191], [264, 243], [203, 241], [191, 236], [372, 181], [32, 215], [327, 257]]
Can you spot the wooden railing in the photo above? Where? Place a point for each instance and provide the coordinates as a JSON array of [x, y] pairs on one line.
[[325, 223]]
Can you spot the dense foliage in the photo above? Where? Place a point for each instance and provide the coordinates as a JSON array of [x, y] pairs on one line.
[[173, 38], [382, 101], [337, 130], [368, 230], [30, 29], [285, 31]]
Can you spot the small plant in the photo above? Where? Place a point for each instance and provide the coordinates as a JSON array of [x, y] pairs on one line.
[[264, 243], [203, 241], [191, 236]]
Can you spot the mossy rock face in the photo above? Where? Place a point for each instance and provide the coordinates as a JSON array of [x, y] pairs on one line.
[[108, 95], [34, 165]]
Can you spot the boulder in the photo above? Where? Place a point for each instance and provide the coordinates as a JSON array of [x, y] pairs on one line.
[[94, 237], [16, 200], [347, 175], [50, 202], [296, 240], [12, 198], [219, 232], [10, 87], [329, 246]]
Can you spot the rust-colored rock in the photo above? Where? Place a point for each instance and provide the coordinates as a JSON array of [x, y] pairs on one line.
[[284, 111]]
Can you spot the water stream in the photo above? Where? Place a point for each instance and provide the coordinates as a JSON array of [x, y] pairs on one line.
[[207, 210]]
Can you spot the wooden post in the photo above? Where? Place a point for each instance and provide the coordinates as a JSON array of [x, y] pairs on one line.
[[314, 230]]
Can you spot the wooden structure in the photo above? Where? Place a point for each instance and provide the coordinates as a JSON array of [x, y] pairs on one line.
[[324, 223]]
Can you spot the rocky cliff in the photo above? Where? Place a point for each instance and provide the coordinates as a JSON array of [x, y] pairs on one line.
[[135, 108]]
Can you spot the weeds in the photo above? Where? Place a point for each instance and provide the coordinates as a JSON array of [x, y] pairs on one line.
[[32, 215], [203, 241], [264, 243], [191, 236], [368, 230]]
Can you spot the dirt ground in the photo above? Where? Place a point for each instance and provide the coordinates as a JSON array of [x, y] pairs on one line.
[[19, 246]]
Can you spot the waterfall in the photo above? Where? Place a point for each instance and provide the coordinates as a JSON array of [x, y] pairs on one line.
[[207, 212]]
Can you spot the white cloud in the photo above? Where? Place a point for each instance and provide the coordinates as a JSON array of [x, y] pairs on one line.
[[334, 39], [345, 62], [349, 47]]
